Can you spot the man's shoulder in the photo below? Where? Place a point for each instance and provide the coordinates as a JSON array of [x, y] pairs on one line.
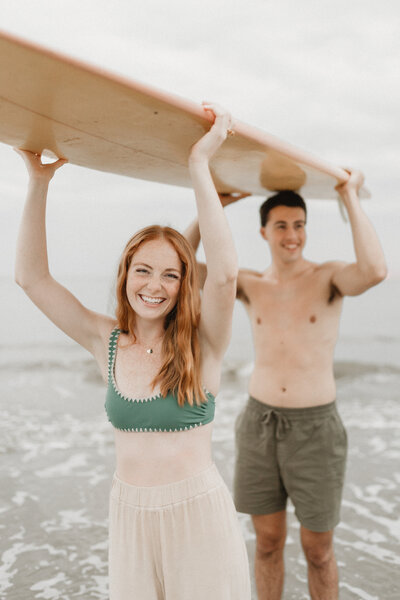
[[249, 273], [326, 272], [248, 277], [245, 279], [329, 267]]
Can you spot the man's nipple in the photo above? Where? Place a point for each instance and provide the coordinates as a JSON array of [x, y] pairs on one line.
[[313, 318]]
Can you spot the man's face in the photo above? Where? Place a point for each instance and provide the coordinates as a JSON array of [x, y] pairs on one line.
[[285, 233]]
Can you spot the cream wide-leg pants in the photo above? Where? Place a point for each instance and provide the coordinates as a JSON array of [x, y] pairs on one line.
[[180, 541]]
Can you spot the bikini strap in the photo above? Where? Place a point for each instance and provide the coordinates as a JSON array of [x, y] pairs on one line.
[[112, 348]]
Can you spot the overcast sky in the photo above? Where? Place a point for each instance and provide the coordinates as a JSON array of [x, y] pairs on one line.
[[321, 74]]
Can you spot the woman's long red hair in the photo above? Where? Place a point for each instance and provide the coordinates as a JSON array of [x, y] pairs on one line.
[[180, 372]]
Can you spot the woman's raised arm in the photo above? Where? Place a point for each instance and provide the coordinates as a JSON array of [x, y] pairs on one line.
[[32, 268], [222, 268]]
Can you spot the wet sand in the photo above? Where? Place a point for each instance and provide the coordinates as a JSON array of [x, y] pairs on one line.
[[58, 460]]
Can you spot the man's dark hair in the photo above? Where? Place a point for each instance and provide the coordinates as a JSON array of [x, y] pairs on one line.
[[284, 198]]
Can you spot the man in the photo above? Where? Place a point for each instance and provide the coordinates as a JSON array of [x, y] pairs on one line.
[[290, 439]]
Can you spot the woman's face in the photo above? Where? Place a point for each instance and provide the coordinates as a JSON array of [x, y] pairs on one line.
[[154, 279]]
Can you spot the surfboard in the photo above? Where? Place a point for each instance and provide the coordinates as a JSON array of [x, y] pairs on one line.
[[103, 121]]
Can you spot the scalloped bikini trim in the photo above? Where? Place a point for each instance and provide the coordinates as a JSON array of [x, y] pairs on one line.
[[112, 357], [155, 430]]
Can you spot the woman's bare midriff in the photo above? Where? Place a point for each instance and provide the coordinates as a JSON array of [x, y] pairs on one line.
[[158, 458]]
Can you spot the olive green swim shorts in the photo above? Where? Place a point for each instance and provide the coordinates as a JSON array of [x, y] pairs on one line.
[[298, 453]]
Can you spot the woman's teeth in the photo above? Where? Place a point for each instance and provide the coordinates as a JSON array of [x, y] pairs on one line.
[[151, 300]]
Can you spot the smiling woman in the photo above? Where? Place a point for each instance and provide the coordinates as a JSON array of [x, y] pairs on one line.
[[153, 281], [154, 274], [157, 278], [161, 358]]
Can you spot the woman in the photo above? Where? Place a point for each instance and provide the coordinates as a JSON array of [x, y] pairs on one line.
[[174, 533]]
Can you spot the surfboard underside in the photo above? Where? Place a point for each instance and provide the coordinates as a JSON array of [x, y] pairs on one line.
[[104, 122]]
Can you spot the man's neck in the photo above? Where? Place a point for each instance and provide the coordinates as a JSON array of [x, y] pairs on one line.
[[284, 271]]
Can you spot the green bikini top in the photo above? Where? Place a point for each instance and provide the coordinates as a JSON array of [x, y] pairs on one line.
[[157, 413]]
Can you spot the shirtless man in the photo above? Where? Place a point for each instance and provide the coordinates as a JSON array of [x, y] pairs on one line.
[[290, 439]]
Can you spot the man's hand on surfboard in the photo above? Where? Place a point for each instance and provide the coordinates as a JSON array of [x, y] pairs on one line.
[[36, 168], [204, 149], [352, 185]]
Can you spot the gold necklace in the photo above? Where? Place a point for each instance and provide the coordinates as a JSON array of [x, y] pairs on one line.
[[148, 349]]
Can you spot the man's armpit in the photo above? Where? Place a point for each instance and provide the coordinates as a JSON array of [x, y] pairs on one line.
[[330, 269], [240, 290], [241, 295], [334, 293]]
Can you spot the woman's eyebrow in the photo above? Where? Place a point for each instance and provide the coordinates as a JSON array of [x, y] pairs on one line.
[[142, 263]]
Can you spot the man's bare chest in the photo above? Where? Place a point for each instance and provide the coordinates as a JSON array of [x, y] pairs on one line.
[[295, 305]]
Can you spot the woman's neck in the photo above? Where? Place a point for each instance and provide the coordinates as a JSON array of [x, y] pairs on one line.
[[148, 332]]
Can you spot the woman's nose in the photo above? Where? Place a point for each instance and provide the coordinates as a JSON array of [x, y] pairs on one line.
[[154, 283]]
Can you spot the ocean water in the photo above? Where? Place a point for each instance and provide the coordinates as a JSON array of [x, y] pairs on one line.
[[57, 462]]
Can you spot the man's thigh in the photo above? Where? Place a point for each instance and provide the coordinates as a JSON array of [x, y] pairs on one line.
[[258, 487], [313, 472]]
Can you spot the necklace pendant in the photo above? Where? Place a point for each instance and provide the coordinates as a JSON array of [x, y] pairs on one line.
[[149, 350]]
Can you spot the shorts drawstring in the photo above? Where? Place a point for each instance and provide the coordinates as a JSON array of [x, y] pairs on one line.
[[282, 423]]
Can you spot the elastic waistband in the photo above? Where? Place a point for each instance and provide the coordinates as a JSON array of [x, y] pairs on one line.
[[159, 496], [292, 414]]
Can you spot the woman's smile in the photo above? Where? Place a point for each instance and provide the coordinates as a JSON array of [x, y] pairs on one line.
[[149, 300]]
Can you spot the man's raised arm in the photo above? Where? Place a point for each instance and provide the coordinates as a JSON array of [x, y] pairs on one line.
[[370, 266]]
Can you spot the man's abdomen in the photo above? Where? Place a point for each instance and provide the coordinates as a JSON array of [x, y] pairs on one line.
[[292, 386]]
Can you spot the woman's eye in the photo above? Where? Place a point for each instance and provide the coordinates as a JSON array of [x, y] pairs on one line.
[[141, 271], [172, 276]]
